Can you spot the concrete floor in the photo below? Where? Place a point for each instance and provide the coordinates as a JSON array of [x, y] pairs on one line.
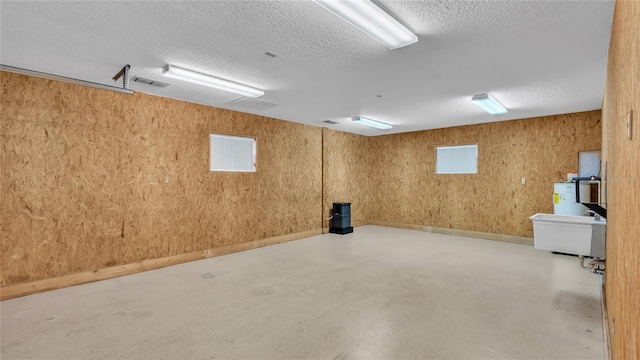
[[379, 293]]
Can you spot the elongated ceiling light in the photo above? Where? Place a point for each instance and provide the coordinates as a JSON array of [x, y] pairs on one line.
[[489, 104], [372, 123], [369, 18], [210, 81]]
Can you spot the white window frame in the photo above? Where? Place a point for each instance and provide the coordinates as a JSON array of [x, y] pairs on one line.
[[232, 153], [465, 164]]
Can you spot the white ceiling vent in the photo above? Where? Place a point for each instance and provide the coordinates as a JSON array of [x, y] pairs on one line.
[[146, 81], [252, 103]]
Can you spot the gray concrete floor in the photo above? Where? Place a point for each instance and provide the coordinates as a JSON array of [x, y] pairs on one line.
[[379, 293]]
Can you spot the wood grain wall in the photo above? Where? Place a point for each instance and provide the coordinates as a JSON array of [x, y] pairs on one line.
[[542, 150], [622, 93], [391, 179], [83, 179], [348, 164]]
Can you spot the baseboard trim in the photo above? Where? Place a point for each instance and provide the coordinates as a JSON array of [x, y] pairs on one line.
[[397, 225], [34, 287], [457, 232]]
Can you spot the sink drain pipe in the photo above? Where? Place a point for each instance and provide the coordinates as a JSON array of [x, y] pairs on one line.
[[596, 265]]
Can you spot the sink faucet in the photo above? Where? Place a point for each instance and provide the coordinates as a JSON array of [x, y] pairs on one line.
[[595, 214]]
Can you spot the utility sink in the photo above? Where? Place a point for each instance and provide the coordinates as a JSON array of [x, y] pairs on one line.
[[578, 235]]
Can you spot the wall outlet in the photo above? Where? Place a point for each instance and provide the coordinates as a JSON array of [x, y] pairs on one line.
[[166, 179], [523, 181]]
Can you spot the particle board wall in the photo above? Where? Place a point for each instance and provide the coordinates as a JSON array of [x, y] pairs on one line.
[[542, 150], [83, 179], [622, 93], [348, 161]]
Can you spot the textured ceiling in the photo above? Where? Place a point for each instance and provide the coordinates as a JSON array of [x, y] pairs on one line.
[[536, 57]]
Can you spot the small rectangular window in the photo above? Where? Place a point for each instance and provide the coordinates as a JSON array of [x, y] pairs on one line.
[[232, 153], [458, 159]]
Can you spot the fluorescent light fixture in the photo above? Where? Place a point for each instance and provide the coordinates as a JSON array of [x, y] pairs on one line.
[[372, 123], [489, 104], [369, 18], [210, 81]]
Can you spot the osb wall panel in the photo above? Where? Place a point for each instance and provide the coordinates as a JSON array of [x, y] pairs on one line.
[[542, 150], [83, 179], [348, 160], [622, 93]]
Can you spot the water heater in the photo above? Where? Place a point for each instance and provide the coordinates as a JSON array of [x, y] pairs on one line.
[[564, 197]]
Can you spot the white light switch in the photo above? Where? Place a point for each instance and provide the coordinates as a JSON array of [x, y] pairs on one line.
[[523, 181]]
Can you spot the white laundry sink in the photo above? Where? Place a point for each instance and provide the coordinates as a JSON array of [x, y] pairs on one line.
[[578, 235]]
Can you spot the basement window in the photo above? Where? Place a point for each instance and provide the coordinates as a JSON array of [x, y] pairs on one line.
[[457, 159], [232, 153]]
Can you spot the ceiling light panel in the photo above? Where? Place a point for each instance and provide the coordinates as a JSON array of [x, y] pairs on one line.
[[373, 123], [371, 19], [210, 81], [489, 104]]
